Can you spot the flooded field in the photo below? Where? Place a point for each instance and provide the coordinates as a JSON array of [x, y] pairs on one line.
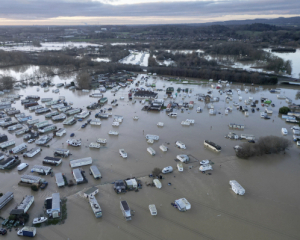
[[268, 210]]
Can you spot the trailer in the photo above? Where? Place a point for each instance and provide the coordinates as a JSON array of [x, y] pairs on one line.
[[31, 179], [61, 132], [35, 97], [3, 138], [73, 111], [22, 131], [51, 114], [33, 108], [49, 103], [32, 152], [247, 136], [41, 124], [62, 153], [43, 140], [53, 205], [78, 175], [34, 121], [46, 99], [182, 204], [125, 210], [41, 169], [18, 148], [27, 232], [152, 209], [42, 110], [59, 179], [81, 162], [95, 172], [69, 121], [5, 199], [82, 115], [52, 161], [236, 187], [7, 144], [30, 104], [47, 128]]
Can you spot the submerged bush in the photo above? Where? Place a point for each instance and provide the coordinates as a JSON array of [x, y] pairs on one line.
[[264, 145]]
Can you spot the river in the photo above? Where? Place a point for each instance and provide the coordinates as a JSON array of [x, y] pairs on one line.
[[268, 210]]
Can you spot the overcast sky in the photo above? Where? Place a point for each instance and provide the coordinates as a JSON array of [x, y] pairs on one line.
[[45, 12]]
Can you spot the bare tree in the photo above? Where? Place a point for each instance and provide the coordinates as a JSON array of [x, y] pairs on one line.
[[6, 82], [83, 80], [264, 145]]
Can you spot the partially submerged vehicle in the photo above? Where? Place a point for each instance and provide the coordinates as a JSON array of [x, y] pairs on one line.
[[236, 187]]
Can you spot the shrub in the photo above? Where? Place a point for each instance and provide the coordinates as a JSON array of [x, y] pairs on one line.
[[34, 188], [156, 171], [264, 145], [284, 110]]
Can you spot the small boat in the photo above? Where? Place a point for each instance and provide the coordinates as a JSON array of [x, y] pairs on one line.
[[113, 133], [151, 141], [72, 134], [135, 118], [180, 144], [246, 113], [284, 131], [160, 124], [226, 112], [123, 154], [46, 89], [101, 141], [199, 110], [39, 220]]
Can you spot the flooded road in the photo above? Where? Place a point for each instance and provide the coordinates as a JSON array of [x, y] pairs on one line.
[[269, 209]]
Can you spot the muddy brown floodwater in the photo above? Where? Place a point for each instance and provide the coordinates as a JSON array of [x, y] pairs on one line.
[[269, 209]]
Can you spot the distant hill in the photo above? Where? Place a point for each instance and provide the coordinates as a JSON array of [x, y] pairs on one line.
[[294, 21]]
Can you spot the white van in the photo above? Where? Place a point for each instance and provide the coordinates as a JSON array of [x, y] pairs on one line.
[[172, 114], [168, 169]]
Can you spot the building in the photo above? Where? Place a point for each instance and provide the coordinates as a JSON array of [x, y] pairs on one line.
[[52, 205], [91, 192]]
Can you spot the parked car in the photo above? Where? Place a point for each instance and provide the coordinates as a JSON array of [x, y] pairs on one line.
[[31, 140], [168, 169], [3, 231]]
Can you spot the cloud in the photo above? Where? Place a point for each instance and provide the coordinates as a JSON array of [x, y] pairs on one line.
[[46, 9]]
